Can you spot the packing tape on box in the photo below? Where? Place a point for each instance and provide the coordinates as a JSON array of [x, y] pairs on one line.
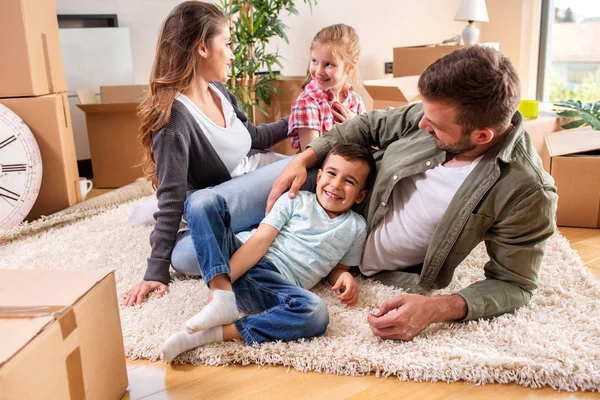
[[65, 316], [29, 311]]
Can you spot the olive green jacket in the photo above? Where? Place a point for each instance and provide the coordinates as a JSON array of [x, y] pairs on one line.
[[508, 201]]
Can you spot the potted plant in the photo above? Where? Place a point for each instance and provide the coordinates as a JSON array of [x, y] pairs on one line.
[[253, 24], [585, 114]]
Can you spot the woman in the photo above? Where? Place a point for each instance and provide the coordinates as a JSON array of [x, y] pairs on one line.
[[195, 136]]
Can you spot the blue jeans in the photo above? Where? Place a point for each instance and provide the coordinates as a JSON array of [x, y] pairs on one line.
[[246, 198], [276, 308]]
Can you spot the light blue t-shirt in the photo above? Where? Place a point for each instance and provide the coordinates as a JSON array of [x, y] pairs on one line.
[[310, 243]]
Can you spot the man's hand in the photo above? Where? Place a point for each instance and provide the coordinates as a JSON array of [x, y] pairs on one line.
[[293, 177], [405, 316], [349, 295], [136, 295]]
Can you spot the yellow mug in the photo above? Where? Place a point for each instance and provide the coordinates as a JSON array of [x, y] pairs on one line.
[[529, 108]]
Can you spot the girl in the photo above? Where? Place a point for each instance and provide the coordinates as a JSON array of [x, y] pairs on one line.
[[193, 133], [327, 98]]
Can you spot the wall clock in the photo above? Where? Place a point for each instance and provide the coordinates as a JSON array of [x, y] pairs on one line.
[[20, 169]]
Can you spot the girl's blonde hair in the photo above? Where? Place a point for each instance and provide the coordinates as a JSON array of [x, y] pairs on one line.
[[189, 25], [343, 42]]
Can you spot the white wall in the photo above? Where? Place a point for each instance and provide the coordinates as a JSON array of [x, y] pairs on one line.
[[381, 25]]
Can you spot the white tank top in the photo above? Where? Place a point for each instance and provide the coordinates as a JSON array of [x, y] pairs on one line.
[[232, 142]]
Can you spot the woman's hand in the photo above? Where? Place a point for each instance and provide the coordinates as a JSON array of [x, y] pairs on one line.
[[341, 112], [136, 295]]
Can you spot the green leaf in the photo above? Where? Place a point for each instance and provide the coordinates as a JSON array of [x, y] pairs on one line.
[[574, 124], [567, 104], [257, 22], [568, 114], [591, 121], [262, 110]]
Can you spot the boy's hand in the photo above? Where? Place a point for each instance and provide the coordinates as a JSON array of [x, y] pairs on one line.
[[349, 295]]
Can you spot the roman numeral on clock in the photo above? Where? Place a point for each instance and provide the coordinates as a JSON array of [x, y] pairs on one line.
[[9, 196], [14, 167], [8, 141]]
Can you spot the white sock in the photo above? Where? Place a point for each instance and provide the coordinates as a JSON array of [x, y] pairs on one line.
[[222, 310], [179, 342]]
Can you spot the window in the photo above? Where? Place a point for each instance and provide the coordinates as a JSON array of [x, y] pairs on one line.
[[569, 62], [578, 73]]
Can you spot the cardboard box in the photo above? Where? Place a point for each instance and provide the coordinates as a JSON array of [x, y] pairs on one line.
[[30, 49], [61, 335], [113, 127], [281, 105], [538, 128], [572, 157], [49, 119], [413, 60], [393, 92]]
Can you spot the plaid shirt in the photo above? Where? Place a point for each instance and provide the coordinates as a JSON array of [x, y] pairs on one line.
[[312, 110]]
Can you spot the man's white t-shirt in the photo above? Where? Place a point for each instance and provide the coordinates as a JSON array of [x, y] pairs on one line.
[[416, 206]]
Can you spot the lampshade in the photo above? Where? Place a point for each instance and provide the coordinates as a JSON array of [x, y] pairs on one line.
[[472, 10]]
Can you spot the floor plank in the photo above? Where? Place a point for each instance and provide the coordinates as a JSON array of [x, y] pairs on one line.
[[594, 264], [587, 253], [161, 381], [575, 235], [593, 241]]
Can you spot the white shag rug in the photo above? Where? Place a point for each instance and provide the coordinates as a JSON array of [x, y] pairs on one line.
[[554, 341]]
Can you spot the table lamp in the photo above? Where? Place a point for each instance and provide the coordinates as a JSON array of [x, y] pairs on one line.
[[471, 10]]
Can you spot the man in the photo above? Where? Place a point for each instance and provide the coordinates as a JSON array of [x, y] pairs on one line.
[[453, 171]]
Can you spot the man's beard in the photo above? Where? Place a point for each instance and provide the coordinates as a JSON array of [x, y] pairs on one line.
[[464, 145]]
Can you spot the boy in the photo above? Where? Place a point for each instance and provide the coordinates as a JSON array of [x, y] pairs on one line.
[[298, 243]]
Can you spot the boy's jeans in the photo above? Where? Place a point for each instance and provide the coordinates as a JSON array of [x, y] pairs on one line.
[[246, 198], [277, 309]]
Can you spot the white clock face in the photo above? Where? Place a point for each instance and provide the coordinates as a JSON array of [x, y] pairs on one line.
[[20, 169]]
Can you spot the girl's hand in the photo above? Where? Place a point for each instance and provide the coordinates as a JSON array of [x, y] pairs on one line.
[[136, 295], [341, 112], [349, 295]]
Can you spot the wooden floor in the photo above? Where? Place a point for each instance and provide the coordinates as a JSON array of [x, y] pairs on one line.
[[150, 380]]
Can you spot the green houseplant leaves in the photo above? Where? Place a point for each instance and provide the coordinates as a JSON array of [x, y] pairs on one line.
[[586, 113], [254, 23]]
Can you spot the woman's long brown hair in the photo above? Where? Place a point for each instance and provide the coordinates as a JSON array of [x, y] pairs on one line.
[[189, 25]]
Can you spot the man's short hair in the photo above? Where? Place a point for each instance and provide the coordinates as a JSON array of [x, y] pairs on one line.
[[480, 81], [355, 152]]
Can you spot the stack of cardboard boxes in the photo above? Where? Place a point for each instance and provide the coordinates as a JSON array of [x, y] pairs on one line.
[[33, 85], [60, 330]]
